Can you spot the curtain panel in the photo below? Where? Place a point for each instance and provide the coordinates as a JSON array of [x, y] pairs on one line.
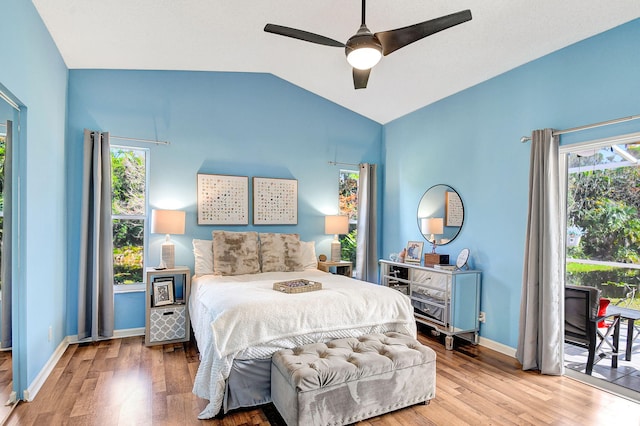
[[541, 331], [366, 238], [95, 289]]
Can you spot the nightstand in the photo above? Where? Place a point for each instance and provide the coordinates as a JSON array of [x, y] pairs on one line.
[[342, 267], [166, 306]]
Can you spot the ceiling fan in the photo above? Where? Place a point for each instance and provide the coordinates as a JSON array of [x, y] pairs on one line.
[[365, 49]]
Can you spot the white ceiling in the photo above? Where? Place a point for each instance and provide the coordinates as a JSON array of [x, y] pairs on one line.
[[216, 35]]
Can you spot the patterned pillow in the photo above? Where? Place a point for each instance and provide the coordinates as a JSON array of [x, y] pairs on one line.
[[235, 253], [280, 252]]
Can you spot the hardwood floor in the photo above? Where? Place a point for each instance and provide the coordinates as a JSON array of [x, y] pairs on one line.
[[6, 383], [122, 382]]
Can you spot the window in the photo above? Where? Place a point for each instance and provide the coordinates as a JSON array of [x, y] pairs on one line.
[[603, 220], [129, 181], [348, 202]]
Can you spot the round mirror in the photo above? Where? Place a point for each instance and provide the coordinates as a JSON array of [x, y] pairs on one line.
[[440, 214]]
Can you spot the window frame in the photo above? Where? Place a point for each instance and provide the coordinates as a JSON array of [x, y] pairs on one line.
[[141, 286]]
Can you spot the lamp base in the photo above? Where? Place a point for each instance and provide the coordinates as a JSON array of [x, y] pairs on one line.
[[336, 251], [168, 255]]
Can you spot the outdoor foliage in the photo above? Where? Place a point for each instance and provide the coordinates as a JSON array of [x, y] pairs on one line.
[[348, 202], [606, 205], [128, 199]]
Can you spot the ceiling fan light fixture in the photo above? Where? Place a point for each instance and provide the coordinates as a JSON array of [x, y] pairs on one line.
[[363, 49]]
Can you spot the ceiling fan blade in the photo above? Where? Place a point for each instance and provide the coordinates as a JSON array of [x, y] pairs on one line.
[[360, 78], [393, 40], [302, 35]]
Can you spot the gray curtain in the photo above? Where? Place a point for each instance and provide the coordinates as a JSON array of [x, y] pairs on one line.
[[95, 289], [366, 240], [540, 340], [5, 265]]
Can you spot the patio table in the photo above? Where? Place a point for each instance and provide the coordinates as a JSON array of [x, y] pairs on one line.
[[631, 315]]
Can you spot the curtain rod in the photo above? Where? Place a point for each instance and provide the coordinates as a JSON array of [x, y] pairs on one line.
[[157, 142], [335, 163], [587, 127]]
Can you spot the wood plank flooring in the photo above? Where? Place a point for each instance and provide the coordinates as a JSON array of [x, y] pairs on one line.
[[122, 382]]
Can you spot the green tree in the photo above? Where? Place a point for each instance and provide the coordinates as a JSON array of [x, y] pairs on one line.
[[128, 205], [606, 204]]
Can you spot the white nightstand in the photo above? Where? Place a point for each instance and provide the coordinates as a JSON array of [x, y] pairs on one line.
[[342, 267], [167, 311]]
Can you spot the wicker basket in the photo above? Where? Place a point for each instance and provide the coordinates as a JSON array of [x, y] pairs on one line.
[[297, 286]]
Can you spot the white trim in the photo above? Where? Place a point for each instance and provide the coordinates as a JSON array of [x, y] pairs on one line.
[[498, 347], [35, 386], [599, 143], [602, 385], [129, 288]]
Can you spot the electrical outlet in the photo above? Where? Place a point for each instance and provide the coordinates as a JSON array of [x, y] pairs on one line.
[[50, 333], [482, 317]]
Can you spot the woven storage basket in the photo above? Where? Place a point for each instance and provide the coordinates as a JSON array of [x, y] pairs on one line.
[[297, 286]]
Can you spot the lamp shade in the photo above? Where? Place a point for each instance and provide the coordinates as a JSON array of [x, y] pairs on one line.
[[167, 222], [432, 225], [338, 224]]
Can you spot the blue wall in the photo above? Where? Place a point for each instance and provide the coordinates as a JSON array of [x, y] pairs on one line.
[[220, 123], [471, 141], [259, 125], [34, 73]]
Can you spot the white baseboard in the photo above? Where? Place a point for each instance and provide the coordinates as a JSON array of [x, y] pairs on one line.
[[34, 387], [498, 347]]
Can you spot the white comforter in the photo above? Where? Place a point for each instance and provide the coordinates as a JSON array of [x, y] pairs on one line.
[[243, 317]]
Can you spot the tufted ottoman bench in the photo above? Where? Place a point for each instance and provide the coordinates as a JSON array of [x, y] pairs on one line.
[[347, 380]]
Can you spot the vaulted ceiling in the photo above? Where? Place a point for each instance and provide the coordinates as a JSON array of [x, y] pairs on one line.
[[216, 35]]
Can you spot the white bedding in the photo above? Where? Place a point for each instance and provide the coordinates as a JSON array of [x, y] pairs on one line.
[[243, 317]]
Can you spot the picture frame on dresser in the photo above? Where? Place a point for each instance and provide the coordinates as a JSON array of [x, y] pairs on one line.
[[163, 291], [414, 252]]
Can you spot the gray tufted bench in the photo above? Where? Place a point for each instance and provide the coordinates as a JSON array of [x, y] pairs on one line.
[[347, 380]]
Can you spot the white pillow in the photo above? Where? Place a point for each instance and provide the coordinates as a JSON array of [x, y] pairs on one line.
[[203, 253], [308, 255]]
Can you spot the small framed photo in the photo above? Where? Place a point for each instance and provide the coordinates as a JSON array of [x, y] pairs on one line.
[[163, 291], [414, 252]]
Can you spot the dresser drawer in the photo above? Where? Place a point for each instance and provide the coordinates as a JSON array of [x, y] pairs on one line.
[[430, 279]]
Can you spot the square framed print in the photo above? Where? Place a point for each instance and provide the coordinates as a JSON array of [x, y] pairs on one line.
[[275, 201], [414, 252], [223, 200], [163, 291]]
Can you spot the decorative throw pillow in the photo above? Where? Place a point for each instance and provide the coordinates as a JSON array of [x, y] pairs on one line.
[[203, 254], [235, 253], [308, 255], [280, 252]]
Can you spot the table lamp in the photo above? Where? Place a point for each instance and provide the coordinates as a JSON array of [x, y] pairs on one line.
[[433, 226], [167, 222], [338, 224]]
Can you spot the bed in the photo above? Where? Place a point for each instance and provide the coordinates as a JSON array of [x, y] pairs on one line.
[[239, 321]]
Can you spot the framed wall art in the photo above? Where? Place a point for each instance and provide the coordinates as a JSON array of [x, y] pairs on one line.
[[453, 209], [223, 200], [275, 201]]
